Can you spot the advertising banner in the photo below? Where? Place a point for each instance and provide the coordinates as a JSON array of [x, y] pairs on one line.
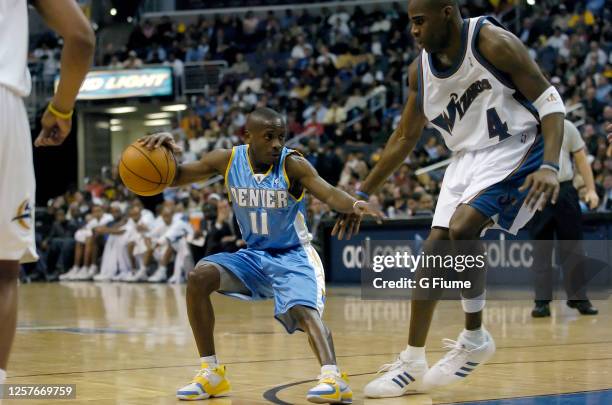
[[111, 84]]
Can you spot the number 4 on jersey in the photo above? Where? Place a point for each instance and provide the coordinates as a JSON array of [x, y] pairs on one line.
[[496, 126], [263, 229]]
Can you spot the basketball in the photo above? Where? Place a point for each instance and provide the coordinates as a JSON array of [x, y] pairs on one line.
[[147, 172]]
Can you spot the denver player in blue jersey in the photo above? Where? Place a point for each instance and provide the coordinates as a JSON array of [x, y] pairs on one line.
[[266, 183]]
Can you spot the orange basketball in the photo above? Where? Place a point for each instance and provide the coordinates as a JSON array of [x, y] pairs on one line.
[[147, 172]]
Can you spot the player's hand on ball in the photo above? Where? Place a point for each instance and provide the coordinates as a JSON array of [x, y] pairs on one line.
[[54, 130], [543, 185], [157, 140]]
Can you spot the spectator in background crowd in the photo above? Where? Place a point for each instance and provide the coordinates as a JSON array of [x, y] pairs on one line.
[[191, 124], [132, 61]]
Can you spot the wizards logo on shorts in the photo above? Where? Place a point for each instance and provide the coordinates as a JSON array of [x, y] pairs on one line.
[[24, 215]]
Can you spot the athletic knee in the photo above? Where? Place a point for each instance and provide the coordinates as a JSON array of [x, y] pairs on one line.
[[204, 278], [304, 315], [9, 272], [462, 229]]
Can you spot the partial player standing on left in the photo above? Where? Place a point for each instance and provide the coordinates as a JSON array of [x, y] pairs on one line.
[[17, 183]]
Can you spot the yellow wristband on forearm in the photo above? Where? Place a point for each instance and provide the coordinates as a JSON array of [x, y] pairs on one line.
[[59, 114]]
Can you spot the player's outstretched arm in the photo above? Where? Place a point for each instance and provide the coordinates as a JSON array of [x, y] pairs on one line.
[[66, 18], [210, 164], [402, 141], [508, 54], [299, 169], [398, 147]]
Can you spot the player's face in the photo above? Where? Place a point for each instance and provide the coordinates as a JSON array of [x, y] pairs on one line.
[[428, 27], [135, 214], [116, 212], [167, 216], [268, 144], [97, 212]]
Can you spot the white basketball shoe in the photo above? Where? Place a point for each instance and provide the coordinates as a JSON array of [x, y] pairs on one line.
[[70, 273], [462, 359], [404, 376]]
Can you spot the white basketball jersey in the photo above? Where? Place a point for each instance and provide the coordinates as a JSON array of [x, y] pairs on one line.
[[473, 104], [14, 72]]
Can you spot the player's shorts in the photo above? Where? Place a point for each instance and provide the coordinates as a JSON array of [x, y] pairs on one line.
[[292, 277], [82, 235], [17, 182], [177, 232], [488, 180]]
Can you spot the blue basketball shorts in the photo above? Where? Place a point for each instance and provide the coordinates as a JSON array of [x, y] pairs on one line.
[[488, 180], [291, 277]]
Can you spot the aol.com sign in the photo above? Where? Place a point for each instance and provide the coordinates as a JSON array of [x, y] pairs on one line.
[[353, 255]]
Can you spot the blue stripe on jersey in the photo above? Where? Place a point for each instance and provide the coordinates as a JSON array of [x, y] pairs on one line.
[[420, 83], [268, 216]]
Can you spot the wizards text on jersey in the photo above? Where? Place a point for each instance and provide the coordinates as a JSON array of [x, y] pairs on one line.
[[446, 119]]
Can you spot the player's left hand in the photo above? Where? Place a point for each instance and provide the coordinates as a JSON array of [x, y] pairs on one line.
[[365, 208], [543, 185], [54, 130], [348, 224], [592, 199]]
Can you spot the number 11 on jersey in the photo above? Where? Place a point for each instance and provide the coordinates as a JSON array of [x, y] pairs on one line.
[[263, 229]]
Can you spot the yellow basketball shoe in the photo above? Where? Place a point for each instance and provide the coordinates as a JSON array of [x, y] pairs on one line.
[[332, 388], [209, 382]]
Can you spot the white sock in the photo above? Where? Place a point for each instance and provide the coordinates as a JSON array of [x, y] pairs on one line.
[[330, 369], [210, 360], [2, 376], [413, 353], [475, 337]]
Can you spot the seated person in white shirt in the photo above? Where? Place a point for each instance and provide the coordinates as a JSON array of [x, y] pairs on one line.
[[85, 252]]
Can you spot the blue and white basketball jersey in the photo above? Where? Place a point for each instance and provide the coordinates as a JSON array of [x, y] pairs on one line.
[[473, 104], [268, 216]]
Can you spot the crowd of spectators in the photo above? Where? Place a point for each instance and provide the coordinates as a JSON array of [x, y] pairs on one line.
[[338, 76]]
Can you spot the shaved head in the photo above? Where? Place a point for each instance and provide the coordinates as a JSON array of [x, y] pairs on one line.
[[262, 119], [433, 4], [433, 22]]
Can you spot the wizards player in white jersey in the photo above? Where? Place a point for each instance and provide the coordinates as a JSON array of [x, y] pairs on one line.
[[17, 183], [475, 83], [266, 183]]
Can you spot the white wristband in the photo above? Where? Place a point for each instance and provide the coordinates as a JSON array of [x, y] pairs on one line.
[[549, 102], [549, 167]]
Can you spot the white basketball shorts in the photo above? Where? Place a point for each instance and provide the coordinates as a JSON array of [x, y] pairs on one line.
[[488, 180], [17, 182]]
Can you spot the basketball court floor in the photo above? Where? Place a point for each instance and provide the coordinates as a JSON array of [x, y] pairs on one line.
[[131, 344]]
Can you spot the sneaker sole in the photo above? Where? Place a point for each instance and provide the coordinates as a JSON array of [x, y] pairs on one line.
[[409, 392], [320, 400], [201, 397]]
